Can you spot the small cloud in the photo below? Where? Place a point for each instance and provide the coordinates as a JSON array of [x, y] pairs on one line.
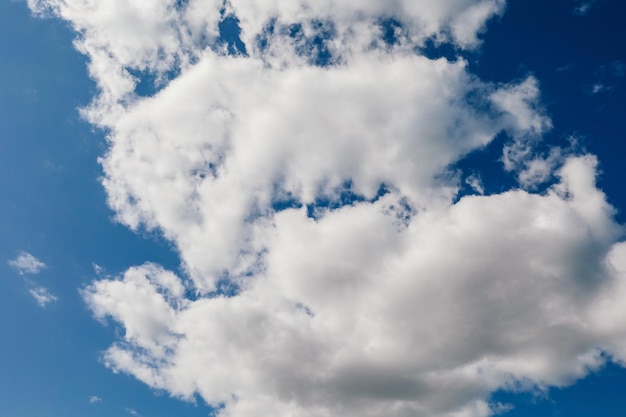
[[584, 8], [598, 88], [500, 408], [476, 184], [566, 68], [25, 263], [97, 268], [607, 77], [42, 296], [94, 399], [133, 412]]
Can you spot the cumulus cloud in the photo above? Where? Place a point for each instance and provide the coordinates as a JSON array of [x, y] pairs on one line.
[[25, 263], [42, 296], [308, 182]]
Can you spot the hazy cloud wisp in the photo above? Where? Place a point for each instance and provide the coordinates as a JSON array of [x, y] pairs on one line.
[[25, 263], [42, 296]]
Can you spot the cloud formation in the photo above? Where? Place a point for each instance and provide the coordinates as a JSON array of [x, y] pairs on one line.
[[308, 182], [25, 263], [42, 296]]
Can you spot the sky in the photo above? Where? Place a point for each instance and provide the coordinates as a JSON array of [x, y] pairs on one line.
[[321, 208]]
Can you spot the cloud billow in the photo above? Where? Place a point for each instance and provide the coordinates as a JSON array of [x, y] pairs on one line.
[[399, 303]]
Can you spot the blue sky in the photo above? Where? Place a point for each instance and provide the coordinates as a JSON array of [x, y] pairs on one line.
[[54, 207]]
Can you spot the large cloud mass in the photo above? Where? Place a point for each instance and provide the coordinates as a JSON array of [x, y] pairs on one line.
[[305, 174]]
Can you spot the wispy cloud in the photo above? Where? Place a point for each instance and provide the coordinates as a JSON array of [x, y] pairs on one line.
[[132, 412], [475, 184], [607, 77], [94, 399], [599, 88], [584, 7], [25, 263], [97, 268], [565, 68], [42, 296]]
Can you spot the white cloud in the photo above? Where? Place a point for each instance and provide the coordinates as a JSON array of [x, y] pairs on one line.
[[132, 412], [475, 184], [42, 296], [404, 304], [539, 169], [94, 399], [471, 297], [25, 263]]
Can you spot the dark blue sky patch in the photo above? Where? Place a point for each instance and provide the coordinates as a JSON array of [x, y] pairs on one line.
[[341, 197], [324, 31], [434, 49], [262, 39], [225, 287], [150, 83], [390, 30], [485, 164], [565, 52], [286, 201], [191, 293], [314, 48], [180, 4], [230, 35], [599, 394], [344, 196]]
